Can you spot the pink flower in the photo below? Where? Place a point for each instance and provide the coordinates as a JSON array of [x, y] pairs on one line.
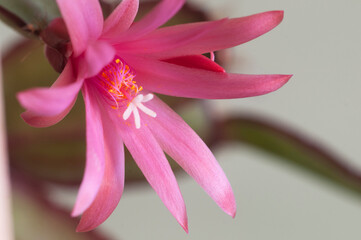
[[112, 61]]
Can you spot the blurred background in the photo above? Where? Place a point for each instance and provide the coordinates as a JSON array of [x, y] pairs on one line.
[[319, 42]]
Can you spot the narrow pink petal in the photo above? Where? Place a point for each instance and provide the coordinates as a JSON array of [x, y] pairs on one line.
[[159, 15], [120, 19], [175, 80], [97, 56], [231, 33], [112, 186], [36, 120], [54, 100], [49, 101], [43, 119], [84, 21], [168, 42], [196, 61], [191, 153], [95, 154], [151, 160]]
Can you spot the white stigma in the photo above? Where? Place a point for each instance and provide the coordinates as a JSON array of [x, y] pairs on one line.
[[137, 103]]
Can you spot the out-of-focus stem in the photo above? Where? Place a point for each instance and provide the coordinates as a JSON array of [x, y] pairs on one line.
[[6, 223]]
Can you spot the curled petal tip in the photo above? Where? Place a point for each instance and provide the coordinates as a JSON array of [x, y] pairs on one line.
[[278, 14], [287, 78], [228, 204], [230, 210], [84, 226], [36, 120], [183, 221], [81, 228], [78, 229], [20, 97], [185, 226], [281, 80], [76, 212], [272, 18]]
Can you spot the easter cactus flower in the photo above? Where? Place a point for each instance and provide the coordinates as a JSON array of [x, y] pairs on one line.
[[118, 64]]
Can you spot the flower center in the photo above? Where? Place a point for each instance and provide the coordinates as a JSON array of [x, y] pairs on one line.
[[116, 81]]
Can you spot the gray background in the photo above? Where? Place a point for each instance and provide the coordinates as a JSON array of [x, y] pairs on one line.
[[319, 42]]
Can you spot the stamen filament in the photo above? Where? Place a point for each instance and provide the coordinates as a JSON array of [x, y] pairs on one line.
[[146, 110], [148, 97], [136, 118], [137, 103], [128, 111], [116, 80]]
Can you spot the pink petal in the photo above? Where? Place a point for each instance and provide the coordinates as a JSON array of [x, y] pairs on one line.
[[151, 160], [52, 101], [175, 80], [168, 42], [191, 153], [159, 15], [231, 33], [97, 56], [112, 186], [196, 61], [120, 19], [84, 20], [49, 101], [39, 121], [95, 154]]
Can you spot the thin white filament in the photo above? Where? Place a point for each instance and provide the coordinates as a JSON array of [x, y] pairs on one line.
[[136, 118], [146, 110], [128, 111], [137, 103]]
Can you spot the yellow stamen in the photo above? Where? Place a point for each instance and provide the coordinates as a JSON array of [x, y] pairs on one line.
[[117, 79]]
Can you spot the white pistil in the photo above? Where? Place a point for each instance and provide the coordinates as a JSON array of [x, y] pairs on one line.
[[137, 103]]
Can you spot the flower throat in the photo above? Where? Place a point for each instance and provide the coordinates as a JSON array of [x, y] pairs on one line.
[[116, 81]]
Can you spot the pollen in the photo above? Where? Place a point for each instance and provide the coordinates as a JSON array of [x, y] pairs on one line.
[[116, 81], [120, 90]]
